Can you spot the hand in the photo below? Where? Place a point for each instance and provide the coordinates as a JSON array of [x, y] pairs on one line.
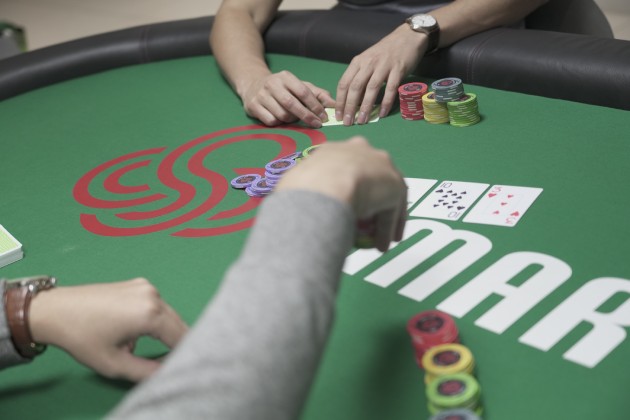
[[387, 61], [361, 176], [99, 324], [283, 98]]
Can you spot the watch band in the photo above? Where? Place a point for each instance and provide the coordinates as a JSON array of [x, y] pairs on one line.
[[434, 39], [17, 301]]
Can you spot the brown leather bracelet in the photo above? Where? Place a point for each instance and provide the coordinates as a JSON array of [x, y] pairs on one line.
[[17, 302]]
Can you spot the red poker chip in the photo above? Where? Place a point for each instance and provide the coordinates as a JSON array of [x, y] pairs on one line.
[[410, 96], [431, 328], [412, 88]]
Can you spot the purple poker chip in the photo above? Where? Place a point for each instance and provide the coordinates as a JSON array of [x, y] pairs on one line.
[[270, 176], [293, 156], [279, 166], [251, 193], [244, 181], [261, 187]]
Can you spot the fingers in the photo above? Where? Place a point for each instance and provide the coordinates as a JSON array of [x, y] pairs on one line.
[[387, 61], [283, 98], [364, 178], [389, 224], [130, 367], [168, 327], [359, 88], [343, 88], [99, 324], [391, 93], [402, 217]]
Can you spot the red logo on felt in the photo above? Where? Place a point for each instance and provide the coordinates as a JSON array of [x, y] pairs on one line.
[[166, 201]]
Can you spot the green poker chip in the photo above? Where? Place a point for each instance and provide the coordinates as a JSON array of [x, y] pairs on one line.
[[458, 390], [464, 111]]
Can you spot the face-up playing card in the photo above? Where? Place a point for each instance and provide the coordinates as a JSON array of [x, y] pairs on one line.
[[373, 117], [10, 248], [449, 200], [416, 188], [503, 205]]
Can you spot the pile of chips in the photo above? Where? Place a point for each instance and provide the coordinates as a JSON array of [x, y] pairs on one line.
[[410, 96], [447, 102], [429, 329], [457, 390], [449, 366], [260, 186]]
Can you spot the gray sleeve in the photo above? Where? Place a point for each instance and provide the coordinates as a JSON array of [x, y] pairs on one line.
[[255, 350], [8, 355]]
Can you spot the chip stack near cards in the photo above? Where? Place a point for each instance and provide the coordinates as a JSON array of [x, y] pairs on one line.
[[10, 248]]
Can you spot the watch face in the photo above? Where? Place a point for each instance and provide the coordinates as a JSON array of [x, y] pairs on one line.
[[423, 21]]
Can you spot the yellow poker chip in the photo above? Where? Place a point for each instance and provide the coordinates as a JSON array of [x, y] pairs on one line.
[[309, 150], [434, 112], [446, 359]]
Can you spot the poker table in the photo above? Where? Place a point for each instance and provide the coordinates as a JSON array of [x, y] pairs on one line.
[[125, 173]]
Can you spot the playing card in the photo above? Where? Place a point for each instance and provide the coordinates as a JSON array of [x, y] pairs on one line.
[[10, 248], [373, 117], [416, 188], [449, 200], [503, 205]]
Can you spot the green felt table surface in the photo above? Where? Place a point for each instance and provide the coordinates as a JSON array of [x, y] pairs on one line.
[[579, 154]]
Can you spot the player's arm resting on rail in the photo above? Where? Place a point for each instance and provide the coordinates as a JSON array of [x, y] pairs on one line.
[[237, 44], [400, 52], [98, 325], [255, 350]]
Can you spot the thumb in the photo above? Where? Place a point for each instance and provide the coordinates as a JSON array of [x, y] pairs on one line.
[[132, 367]]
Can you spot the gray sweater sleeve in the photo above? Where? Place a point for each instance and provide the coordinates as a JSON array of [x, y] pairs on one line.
[[255, 350], [8, 355]]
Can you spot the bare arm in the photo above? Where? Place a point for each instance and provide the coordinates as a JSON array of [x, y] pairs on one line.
[[392, 58], [237, 42], [238, 46], [463, 18]]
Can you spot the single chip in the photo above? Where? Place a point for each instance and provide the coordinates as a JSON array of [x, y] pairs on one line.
[[279, 166], [244, 181], [459, 390], [309, 150]]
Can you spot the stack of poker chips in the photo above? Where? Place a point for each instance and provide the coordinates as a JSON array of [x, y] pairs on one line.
[[462, 108], [275, 169], [446, 359], [410, 95], [260, 186], [429, 329], [464, 111], [434, 112], [458, 390], [448, 89]]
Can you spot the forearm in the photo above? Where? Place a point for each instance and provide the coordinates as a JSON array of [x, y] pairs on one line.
[[237, 43], [255, 350], [463, 18]]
